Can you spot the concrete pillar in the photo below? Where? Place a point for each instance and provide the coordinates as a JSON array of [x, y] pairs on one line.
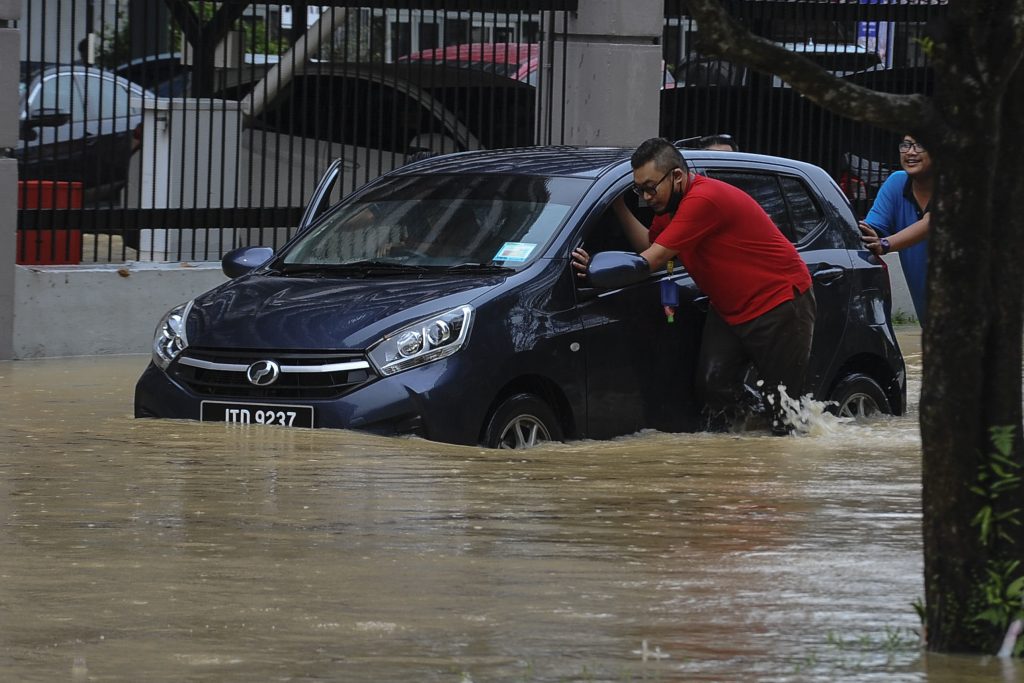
[[10, 10], [612, 73]]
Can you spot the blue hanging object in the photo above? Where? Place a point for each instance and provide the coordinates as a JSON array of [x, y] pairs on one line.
[[669, 297]]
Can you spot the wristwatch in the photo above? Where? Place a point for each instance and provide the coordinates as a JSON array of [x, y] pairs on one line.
[[884, 243]]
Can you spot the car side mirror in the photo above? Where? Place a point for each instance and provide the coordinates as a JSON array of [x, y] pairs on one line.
[[240, 261], [614, 269]]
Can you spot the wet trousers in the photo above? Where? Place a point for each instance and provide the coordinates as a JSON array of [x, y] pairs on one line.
[[778, 343]]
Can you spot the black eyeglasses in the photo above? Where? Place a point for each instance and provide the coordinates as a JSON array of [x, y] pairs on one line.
[[644, 190], [907, 146]]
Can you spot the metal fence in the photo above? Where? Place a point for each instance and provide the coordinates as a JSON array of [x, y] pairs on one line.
[[172, 131], [175, 131], [874, 44]]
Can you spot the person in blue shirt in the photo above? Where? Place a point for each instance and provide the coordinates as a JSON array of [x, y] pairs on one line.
[[899, 219]]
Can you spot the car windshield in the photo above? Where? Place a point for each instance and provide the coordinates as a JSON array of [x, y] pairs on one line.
[[443, 221]]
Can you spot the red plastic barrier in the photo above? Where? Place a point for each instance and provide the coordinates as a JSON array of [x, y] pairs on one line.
[[49, 247]]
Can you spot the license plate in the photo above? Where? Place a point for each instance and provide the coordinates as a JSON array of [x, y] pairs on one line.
[[256, 413]]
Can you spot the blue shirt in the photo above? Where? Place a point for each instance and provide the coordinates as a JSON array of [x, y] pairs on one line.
[[893, 210]]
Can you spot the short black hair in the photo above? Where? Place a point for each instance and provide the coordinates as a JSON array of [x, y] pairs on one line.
[[663, 153], [720, 139]]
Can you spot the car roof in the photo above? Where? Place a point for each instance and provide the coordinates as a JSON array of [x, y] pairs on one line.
[[589, 162], [584, 162]]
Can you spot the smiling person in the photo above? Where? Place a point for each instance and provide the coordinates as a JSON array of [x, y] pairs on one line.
[[762, 304], [899, 219]]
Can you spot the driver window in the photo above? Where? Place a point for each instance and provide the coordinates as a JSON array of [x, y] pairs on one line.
[[105, 98], [60, 92], [604, 233]]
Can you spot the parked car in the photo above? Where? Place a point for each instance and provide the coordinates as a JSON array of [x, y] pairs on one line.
[[163, 73], [439, 300], [398, 107], [376, 117], [78, 123], [517, 61], [760, 110]]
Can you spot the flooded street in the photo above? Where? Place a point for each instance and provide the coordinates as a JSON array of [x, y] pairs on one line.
[[144, 550]]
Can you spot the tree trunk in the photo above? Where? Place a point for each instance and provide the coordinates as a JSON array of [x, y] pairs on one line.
[[971, 344]]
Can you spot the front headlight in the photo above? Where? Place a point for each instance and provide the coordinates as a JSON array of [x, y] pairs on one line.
[[170, 339], [426, 341]]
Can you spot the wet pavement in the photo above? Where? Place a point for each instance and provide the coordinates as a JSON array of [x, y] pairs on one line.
[[146, 550]]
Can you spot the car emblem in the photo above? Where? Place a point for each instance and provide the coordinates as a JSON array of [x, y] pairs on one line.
[[263, 373]]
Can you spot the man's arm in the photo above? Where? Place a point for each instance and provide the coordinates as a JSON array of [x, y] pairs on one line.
[[636, 233], [657, 256]]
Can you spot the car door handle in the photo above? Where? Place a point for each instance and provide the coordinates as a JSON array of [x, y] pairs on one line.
[[827, 276]]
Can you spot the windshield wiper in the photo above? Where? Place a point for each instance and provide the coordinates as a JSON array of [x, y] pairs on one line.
[[362, 267], [479, 268]]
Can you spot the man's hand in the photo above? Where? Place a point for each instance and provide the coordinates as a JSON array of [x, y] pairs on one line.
[[870, 238], [580, 261]]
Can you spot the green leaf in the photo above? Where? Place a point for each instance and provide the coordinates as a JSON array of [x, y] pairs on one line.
[[993, 616], [1002, 438]]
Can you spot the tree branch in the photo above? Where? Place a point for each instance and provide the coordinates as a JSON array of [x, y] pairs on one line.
[[723, 36]]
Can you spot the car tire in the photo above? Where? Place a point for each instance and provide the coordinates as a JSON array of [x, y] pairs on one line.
[[522, 421], [858, 396]]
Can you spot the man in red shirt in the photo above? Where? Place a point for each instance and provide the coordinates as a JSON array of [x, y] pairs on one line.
[[762, 303]]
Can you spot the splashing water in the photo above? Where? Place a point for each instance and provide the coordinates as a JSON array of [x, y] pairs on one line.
[[805, 415], [810, 417]]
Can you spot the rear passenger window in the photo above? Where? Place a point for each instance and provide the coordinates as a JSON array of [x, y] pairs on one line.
[[763, 187], [785, 198], [805, 212]]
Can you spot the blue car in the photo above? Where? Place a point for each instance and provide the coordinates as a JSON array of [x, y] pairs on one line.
[[439, 300]]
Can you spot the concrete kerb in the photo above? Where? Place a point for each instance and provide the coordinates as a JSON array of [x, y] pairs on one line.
[[100, 309]]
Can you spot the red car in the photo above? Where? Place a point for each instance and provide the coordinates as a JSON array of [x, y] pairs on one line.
[[518, 61]]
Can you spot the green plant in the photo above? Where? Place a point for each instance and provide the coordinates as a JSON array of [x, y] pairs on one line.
[[115, 45], [1001, 591], [901, 318], [255, 36]]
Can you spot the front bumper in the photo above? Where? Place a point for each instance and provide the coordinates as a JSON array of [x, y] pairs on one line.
[[435, 401]]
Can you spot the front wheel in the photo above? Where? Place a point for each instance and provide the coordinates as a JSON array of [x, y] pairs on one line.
[[522, 421], [858, 396]]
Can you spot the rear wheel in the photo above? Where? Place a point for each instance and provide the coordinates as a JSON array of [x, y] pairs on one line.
[[858, 396], [522, 421]]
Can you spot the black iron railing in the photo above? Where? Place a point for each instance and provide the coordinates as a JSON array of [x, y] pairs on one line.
[[177, 130]]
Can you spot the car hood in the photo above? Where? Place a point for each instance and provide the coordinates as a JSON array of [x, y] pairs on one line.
[[269, 312]]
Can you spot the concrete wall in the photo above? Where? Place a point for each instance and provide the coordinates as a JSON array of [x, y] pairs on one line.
[[88, 310], [902, 304], [10, 41]]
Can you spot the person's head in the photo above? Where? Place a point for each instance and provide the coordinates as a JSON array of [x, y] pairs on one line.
[[914, 158], [83, 50], [659, 174], [722, 143]]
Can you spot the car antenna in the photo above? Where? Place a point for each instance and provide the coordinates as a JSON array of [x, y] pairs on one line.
[[687, 141]]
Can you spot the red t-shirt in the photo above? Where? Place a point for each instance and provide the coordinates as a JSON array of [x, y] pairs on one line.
[[732, 249]]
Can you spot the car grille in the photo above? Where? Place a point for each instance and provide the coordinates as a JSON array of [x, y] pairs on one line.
[[219, 373]]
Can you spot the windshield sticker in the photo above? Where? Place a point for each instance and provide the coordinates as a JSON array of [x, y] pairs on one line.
[[515, 251]]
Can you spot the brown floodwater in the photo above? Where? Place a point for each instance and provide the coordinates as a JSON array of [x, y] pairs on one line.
[[149, 550]]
